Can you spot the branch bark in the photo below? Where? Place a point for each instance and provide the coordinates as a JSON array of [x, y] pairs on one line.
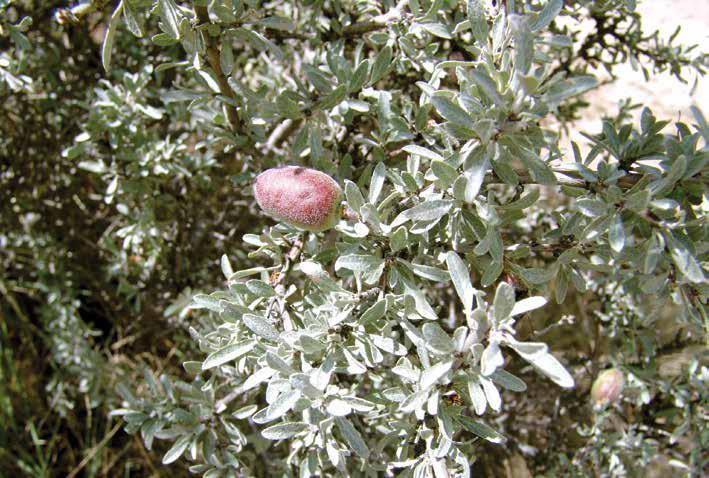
[[213, 60], [566, 177]]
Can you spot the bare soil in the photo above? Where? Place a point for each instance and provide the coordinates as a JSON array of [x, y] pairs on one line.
[[668, 97]]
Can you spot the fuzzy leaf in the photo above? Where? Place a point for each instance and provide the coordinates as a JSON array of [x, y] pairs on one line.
[[227, 354]]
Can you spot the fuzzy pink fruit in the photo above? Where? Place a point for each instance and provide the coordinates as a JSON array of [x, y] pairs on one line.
[[607, 387], [302, 197]]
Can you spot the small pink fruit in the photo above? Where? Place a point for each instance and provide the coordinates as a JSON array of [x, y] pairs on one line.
[[607, 387], [302, 197]]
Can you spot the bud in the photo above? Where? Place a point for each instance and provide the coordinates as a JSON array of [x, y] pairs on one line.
[[302, 197], [607, 387]]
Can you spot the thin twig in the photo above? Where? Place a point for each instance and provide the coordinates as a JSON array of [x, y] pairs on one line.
[[94, 450], [222, 403], [213, 59]]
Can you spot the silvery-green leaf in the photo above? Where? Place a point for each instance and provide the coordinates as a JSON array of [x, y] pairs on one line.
[[487, 86], [461, 280], [358, 263], [359, 404], [170, 17], [203, 301], [459, 186], [683, 258], [505, 171], [421, 151], [111, 190], [491, 273], [97, 167], [524, 44], [277, 363], [522, 203], [568, 88], [445, 173], [546, 16], [432, 374], [320, 377], [437, 29], [352, 437], [398, 239], [655, 246], [491, 394], [480, 429], [504, 301], [338, 408], [107, 47], [260, 288], [319, 276], [260, 42], [388, 344], [245, 412], [381, 64], [226, 59], [440, 470], [450, 111], [377, 182], [437, 339], [536, 276], [491, 359], [278, 23], [247, 272], [665, 183], [302, 382], [527, 304], [701, 121], [528, 350], [494, 240], [474, 175], [394, 394], [460, 336], [258, 377], [508, 381], [552, 368], [359, 77], [652, 284], [260, 326], [354, 197], [423, 308], [311, 345], [405, 370], [282, 405], [226, 266], [429, 272], [177, 449], [375, 312], [478, 21], [477, 395], [284, 430], [132, 20], [616, 234], [354, 366], [413, 402], [227, 354]]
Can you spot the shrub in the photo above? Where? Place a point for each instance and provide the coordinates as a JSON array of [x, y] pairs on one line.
[[448, 319]]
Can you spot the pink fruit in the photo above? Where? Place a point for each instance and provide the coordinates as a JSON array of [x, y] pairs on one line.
[[607, 387], [302, 197]]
